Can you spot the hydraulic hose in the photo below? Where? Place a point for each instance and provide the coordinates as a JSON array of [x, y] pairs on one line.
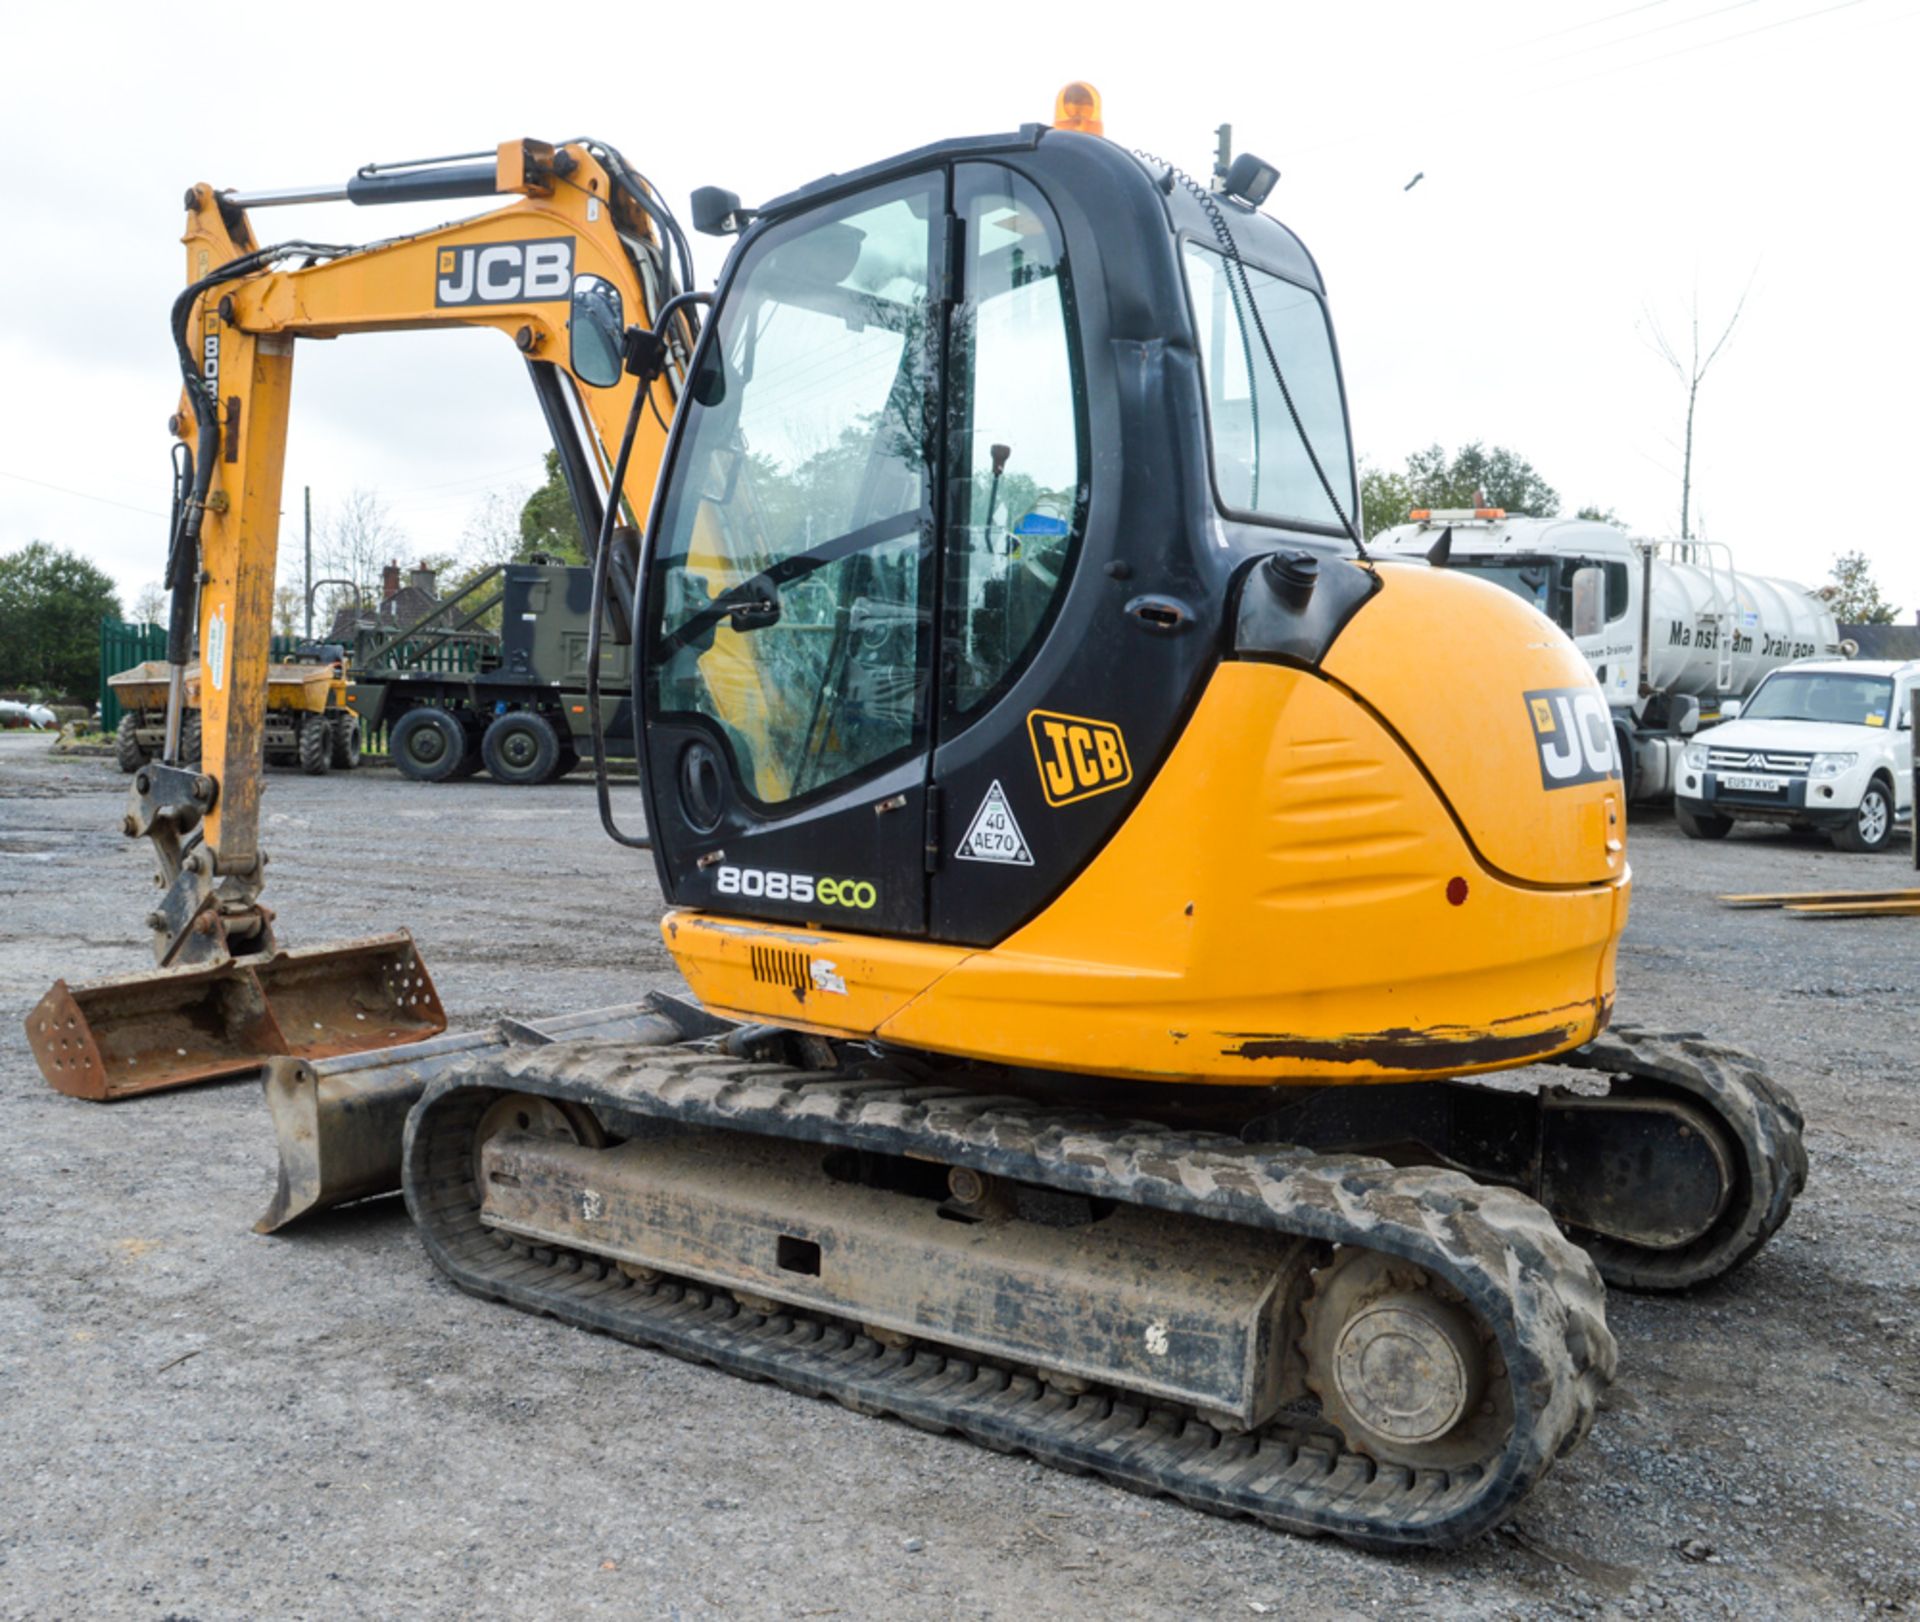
[[602, 551], [678, 306]]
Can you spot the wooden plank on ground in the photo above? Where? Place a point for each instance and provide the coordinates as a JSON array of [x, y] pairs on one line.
[[1889, 907], [1818, 898]]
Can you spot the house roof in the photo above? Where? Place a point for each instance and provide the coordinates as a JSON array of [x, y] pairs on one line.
[[405, 606]]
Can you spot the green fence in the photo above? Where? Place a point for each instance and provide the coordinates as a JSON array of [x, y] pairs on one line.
[[122, 646]]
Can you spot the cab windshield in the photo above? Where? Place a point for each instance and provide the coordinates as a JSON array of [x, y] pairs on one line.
[[1833, 696], [1260, 466], [1533, 579]]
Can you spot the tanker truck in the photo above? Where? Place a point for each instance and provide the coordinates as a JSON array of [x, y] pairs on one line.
[[1670, 628]]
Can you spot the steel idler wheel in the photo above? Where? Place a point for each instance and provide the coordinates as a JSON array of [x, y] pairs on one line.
[[530, 1114], [1402, 1366]]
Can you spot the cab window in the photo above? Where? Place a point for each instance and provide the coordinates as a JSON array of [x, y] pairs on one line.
[[792, 580], [1260, 466], [1616, 590], [1018, 484]]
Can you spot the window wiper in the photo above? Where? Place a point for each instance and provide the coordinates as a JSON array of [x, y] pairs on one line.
[[752, 605]]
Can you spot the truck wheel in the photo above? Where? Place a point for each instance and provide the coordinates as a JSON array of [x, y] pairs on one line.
[[521, 747], [1871, 824], [346, 742], [126, 744], [315, 743], [1701, 824], [190, 739], [428, 745]]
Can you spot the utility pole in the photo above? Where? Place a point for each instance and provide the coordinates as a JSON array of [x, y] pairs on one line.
[[309, 494]]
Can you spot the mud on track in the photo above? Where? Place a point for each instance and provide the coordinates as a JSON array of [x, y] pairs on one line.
[[347, 1435]]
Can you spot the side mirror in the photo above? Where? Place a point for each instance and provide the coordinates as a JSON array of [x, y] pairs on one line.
[[596, 332], [717, 212], [1589, 600], [1905, 722], [1730, 711], [1686, 714]]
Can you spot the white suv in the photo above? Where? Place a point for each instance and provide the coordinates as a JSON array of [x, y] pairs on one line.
[[1822, 744]]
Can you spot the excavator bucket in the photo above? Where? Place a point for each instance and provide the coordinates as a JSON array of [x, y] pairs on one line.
[[139, 1033], [340, 1123]]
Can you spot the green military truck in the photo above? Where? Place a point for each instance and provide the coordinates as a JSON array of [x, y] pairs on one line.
[[521, 713]]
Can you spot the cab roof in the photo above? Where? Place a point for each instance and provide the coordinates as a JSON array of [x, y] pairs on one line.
[[1259, 238]]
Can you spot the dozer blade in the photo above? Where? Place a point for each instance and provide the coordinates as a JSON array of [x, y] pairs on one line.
[[139, 1033], [340, 1123]]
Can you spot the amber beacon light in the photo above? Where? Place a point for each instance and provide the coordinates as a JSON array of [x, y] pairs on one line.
[[1077, 107]]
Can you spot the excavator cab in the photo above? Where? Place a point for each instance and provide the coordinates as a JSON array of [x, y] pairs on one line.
[[903, 579], [1016, 684]]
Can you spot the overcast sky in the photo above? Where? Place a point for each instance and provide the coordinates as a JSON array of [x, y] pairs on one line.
[[1584, 162]]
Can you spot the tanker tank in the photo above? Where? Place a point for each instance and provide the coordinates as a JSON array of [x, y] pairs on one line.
[[1768, 621]]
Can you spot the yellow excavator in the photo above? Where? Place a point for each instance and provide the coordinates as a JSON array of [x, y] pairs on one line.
[[1098, 911]]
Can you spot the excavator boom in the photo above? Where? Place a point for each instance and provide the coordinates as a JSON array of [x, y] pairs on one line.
[[583, 252]]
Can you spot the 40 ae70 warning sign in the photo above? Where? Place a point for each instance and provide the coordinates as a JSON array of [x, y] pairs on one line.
[[993, 835]]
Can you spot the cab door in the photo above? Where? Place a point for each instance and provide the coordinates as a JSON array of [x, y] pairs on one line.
[[788, 661]]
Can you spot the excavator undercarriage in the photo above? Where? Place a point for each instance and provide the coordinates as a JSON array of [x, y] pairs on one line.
[[1323, 1342]]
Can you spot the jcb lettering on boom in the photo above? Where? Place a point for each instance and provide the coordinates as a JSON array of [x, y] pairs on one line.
[[505, 272]]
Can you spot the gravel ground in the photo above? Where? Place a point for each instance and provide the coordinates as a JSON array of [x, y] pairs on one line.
[[196, 1422]]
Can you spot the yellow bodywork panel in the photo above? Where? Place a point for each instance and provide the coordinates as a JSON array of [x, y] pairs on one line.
[[1290, 901], [809, 979], [1492, 699]]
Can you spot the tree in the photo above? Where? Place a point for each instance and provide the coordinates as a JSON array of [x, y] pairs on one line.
[[150, 607], [51, 605], [356, 539], [1599, 515], [1472, 477], [547, 523], [1477, 477], [1854, 595], [1385, 499], [289, 611], [1691, 371], [492, 535]]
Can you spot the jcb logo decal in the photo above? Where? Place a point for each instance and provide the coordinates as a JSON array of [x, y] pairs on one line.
[[505, 273], [1573, 730], [1077, 757]]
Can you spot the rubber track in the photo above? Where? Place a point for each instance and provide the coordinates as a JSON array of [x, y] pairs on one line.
[[1538, 1292], [1763, 1126]]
